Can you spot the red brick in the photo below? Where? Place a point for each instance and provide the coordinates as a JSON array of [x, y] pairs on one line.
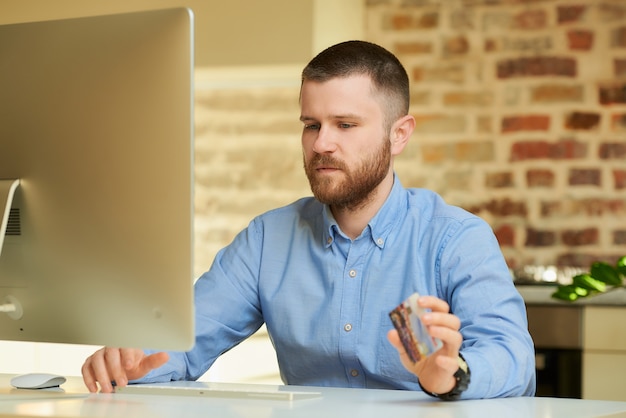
[[581, 40], [536, 67], [555, 93], [525, 123], [490, 45], [568, 149], [499, 180], [569, 14], [530, 150], [405, 21], [428, 20], [446, 73], [470, 151], [539, 238], [540, 178], [619, 179], [611, 12], [434, 154], [505, 235], [619, 237], [612, 151], [587, 236], [583, 207], [615, 94], [413, 48], [530, 20], [618, 122], [576, 260], [400, 22], [584, 260], [502, 207], [618, 37], [585, 177], [561, 150], [458, 45], [582, 121]]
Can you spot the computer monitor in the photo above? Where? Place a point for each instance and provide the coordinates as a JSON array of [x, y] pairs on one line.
[[96, 180]]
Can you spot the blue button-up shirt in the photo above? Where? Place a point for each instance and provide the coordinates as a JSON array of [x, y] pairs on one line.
[[325, 298]]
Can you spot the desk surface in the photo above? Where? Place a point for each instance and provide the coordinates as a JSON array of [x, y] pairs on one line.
[[333, 402]]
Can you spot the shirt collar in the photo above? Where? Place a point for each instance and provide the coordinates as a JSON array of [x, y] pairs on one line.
[[379, 227]]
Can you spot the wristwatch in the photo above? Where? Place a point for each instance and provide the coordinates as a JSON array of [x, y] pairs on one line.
[[462, 376]]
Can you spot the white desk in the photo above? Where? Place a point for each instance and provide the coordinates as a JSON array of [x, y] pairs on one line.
[[334, 402]]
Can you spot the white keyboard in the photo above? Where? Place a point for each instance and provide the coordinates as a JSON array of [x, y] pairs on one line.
[[216, 391]]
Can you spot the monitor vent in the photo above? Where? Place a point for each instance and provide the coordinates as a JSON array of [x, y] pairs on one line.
[[14, 223]]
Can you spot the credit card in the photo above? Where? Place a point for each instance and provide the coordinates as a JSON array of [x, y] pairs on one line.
[[406, 318]]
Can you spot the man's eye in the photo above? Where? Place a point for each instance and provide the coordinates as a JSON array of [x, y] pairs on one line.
[[311, 126], [346, 125]]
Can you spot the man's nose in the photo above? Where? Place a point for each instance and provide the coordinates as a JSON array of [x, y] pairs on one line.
[[325, 141]]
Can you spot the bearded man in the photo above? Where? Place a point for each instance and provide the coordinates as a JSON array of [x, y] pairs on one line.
[[324, 272]]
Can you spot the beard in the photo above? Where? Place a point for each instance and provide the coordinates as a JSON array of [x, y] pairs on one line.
[[354, 190]]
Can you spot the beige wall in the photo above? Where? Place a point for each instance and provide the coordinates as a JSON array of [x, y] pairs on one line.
[[233, 32]]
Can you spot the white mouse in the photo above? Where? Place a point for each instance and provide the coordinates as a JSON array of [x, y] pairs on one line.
[[37, 381]]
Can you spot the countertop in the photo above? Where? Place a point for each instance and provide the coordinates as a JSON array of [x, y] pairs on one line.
[[541, 295], [329, 403]]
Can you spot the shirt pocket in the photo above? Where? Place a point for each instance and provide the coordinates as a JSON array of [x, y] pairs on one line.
[[389, 364]]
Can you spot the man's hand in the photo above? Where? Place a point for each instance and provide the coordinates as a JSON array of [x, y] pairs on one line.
[[120, 365], [435, 372]]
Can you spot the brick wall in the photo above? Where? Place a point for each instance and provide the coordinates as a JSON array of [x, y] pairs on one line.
[[521, 110], [248, 157], [521, 119]]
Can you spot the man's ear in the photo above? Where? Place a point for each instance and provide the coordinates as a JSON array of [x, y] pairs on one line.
[[400, 133]]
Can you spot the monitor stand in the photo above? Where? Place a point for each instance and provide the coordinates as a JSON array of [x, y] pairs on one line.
[[10, 304], [7, 191]]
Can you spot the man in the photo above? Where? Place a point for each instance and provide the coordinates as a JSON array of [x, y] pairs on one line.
[[324, 272]]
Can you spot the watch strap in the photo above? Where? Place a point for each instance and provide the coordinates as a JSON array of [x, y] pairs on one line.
[[462, 377]]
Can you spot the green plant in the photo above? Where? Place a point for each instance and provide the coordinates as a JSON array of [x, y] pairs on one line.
[[601, 278]]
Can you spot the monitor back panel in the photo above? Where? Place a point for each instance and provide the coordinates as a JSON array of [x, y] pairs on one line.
[[96, 120]]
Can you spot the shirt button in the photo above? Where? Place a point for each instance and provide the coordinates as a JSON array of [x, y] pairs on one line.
[[347, 327], [329, 240], [380, 241], [352, 273], [354, 372]]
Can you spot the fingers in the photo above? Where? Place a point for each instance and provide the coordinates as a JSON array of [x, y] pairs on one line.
[[95, 371], [440, 322], [118, 365], [434, 304], [394, 339], [153, 361]]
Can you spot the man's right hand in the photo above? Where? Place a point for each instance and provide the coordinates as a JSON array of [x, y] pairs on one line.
[[118, 365]]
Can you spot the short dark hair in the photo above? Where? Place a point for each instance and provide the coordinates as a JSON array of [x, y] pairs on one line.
[[365, 58]]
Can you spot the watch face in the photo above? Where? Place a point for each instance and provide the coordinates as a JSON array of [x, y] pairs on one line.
[[462, 376], [462, 364]]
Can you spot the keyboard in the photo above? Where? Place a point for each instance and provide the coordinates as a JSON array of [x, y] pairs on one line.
[[218, 390]]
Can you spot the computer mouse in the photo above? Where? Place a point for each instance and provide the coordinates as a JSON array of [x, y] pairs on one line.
[[37, 381]]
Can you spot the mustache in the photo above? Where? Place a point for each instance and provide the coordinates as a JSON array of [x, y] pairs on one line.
[[323, 160]]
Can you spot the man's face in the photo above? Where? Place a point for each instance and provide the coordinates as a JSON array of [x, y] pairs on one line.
[[346, 149]]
